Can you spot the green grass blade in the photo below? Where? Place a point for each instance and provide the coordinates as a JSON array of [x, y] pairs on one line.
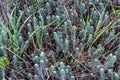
[[18, 20], [112, 39], [99, 22], [113, 9], [101, 32], [86, 27], [21, 27], [32, 34]]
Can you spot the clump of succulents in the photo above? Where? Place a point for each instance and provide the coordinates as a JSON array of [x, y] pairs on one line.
[[49, 40]]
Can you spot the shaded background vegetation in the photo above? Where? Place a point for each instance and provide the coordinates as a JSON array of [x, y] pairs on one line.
[[60, 39]]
